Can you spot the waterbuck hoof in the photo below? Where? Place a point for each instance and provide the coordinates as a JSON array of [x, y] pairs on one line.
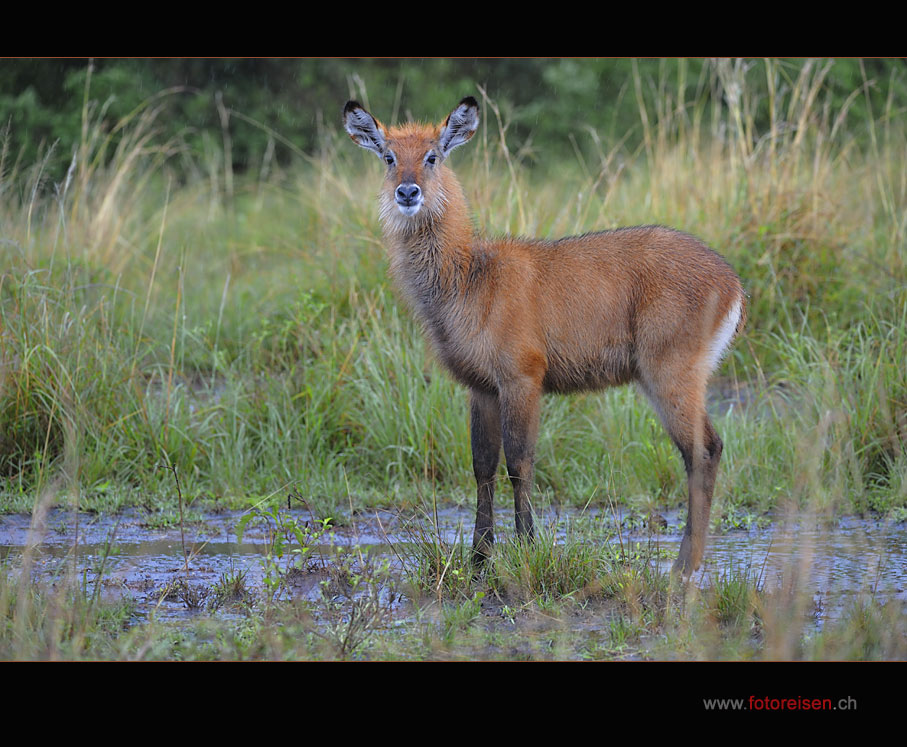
[[481, 555], [683, 567]]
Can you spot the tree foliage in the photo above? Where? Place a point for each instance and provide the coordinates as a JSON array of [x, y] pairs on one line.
[[291, 104]]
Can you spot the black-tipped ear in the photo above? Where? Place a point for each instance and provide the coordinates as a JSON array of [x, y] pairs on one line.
[[460, 125], [366, 131]]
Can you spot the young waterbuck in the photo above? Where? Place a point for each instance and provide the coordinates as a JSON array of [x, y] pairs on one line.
[[514, 318]]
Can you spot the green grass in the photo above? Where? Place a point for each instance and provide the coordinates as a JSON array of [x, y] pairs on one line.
[[250, 339]]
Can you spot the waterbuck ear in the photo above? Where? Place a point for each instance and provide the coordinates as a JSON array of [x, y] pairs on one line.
[[460, 125], [363, 128]]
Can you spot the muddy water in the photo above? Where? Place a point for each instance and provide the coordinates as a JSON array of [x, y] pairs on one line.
[[127, 555], [833, 562]]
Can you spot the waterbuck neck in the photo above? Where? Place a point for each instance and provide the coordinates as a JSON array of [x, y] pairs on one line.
[[430, 252]]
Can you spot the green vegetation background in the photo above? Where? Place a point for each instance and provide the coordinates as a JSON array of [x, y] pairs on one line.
[[191, 273], [547, 101], [192, 276]]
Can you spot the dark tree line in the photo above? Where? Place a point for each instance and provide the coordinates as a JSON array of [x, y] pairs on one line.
[[544, 100]]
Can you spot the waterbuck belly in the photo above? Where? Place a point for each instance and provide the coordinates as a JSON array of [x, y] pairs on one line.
[[606, 367]]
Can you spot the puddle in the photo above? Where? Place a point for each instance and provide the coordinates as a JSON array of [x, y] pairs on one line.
[[128, 555], [834, 563]]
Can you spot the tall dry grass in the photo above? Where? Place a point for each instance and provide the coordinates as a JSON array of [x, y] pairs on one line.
[[156, 308]]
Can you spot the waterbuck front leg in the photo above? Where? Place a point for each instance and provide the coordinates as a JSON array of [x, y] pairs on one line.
[[485, 433], [520, 405]]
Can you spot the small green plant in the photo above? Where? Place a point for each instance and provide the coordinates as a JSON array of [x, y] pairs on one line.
[[357, 598], [357, 591], [436, 565], [622, 632], [193, 596], [632, 578], [546, 569], [509, 614], [736, 597], [458, 616], [230, 589], [290, 546]]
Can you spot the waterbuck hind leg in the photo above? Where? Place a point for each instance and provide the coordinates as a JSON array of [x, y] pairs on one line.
[[701, 458], [678, 394], [485, 433]]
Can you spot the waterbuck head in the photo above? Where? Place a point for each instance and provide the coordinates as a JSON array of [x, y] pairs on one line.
[[414, 186]]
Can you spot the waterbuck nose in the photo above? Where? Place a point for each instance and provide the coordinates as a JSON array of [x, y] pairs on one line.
[[407, 194]]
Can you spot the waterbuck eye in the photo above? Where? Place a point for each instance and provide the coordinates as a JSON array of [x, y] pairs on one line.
[[389, 159], [431, 159]]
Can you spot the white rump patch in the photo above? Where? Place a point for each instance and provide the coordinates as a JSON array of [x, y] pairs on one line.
[[723, 336]]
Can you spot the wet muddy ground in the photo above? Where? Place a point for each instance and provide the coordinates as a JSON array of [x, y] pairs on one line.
[[132, 554]]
